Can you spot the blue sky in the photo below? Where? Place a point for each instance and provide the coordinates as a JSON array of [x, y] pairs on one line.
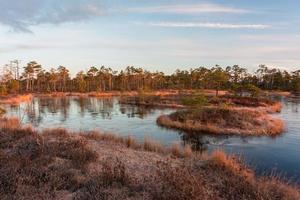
[[157, 35]]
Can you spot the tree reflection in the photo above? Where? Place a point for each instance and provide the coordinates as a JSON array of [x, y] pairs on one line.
[[198, 142], [136, 111], [103, 107]]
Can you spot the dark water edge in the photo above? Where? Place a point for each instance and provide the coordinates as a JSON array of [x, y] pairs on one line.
[[265, 154]]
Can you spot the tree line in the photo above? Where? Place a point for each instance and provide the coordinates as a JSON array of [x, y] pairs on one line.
[[35, 78]]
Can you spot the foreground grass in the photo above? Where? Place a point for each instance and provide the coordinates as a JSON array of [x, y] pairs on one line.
[[223, 120], [57, 164]]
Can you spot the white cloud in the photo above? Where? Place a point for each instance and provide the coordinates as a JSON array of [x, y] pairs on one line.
[[189, 9], [19, 15], [204, 25], [287, 38]]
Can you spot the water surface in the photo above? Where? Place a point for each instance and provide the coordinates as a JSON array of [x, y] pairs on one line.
[[265, 154]]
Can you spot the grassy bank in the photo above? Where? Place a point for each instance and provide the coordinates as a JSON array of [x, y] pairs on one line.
[[266, 104], [15, 99], [223, 120], [57, 164], [111, 93], [198, 100]]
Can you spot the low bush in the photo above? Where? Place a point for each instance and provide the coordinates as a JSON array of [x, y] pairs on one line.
[[195, 101]]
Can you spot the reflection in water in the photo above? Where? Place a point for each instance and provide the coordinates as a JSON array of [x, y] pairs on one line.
[[39, 109], [134, 111], [95, 107], [108, 115], [197, 142]]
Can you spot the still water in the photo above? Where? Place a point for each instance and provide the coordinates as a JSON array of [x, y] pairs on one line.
[[280, 154]]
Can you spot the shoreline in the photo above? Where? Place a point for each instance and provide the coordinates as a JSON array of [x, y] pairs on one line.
[[15, 99], [82, 165], [254, 113]]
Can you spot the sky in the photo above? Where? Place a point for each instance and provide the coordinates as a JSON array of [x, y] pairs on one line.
[[156, 35]]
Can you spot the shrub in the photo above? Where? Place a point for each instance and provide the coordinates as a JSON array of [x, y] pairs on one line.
[[176, 150], [245, 89], [177, 183], [112, 182], [153, 146], [74, 149], [187, 151], [195, 101]]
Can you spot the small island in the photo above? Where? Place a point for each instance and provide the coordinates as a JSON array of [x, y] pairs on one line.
[[224, 121], [223, 115]]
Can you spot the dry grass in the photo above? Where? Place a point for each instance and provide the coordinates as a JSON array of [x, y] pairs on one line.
[[147, 145], [187, 151], [57, 164], [277, 93], [15, 99], [35, 166], [9, 123], [176, 150], [252, 102], [224, 120], [113, 93], [2, 111], [152, 146], [276, 107], [130, 142], [112, 182], [217, 177]]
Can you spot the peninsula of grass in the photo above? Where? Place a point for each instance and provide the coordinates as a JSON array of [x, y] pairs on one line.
[[57, 164], [223, 121]]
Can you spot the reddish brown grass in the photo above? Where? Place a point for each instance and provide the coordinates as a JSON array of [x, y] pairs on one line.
[[15, 99], [9, 123], [57, 164], [152, 146], [224, 120]]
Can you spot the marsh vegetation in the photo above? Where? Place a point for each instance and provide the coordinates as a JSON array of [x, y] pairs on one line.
[[230, 121], [57, 164], [72, 164]]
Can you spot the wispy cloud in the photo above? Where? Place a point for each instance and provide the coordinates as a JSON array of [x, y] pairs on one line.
[[20, 15], [189, 9], [204, 25]]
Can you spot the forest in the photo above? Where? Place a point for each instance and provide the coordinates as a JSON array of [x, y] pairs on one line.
[[33, 78]]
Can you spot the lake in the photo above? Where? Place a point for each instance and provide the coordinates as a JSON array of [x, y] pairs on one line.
[[265, 154]]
